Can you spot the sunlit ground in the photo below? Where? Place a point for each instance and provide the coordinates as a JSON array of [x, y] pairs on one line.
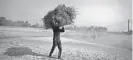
[[34, 44]]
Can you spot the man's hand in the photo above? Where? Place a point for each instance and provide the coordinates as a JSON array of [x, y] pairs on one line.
[[61, 29]]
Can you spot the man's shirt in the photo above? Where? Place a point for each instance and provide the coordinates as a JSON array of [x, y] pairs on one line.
[[57, 29]]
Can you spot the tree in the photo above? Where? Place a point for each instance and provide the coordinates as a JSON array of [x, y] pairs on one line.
[[60, 16], [35, 25], [2, 19]]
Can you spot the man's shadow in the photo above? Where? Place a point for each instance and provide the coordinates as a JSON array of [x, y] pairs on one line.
[[20, 51]]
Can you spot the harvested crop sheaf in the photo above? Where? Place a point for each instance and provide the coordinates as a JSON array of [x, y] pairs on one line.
[[60, 16]]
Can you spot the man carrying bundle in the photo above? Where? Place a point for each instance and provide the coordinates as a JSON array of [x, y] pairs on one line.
[[55, 20], [56, 39]]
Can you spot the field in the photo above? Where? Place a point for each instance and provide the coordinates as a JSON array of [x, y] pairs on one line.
[[17, 43]]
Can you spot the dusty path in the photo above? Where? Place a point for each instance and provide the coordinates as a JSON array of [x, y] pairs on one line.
[[64, 40]]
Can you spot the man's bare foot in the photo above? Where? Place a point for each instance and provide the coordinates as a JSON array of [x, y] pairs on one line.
[[58, 57], [49, 56]]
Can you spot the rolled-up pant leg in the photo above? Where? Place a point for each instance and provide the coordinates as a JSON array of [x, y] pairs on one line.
[[60, 48]]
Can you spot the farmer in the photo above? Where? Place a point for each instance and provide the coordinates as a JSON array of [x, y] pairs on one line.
[[56, 39], [56, 20]]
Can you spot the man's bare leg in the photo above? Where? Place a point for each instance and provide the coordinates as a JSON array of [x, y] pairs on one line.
[[52, 50], [60, 49]]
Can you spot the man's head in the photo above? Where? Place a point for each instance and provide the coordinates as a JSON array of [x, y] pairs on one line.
[[56, 23]]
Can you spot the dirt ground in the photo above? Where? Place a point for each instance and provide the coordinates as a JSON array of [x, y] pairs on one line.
[[35, 44]]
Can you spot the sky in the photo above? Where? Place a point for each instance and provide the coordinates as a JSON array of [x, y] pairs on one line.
[[112, 14]]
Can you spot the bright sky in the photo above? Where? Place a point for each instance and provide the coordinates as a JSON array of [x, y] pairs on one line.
[[109, 13]]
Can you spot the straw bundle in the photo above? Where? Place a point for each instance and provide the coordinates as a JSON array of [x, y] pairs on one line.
[[60, 16]]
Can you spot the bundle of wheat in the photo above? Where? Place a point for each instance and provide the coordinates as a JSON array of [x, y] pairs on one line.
[[60, 16]]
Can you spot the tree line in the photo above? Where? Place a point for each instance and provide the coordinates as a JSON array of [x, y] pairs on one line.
[[88, 28], [5, 22]]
